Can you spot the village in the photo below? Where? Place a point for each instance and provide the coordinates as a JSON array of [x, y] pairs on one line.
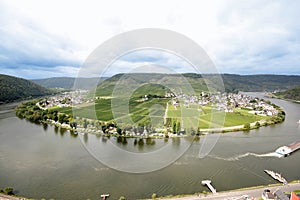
[[223, 102], [66, 99], [226, 102]]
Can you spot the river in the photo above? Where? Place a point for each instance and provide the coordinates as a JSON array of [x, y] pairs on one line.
[[43, 162]]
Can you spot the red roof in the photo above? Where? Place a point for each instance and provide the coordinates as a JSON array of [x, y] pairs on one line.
[[294, 196]]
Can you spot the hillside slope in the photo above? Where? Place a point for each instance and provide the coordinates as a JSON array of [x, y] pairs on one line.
[[13, 88], [68, 82], [232, 83], [292, 94]]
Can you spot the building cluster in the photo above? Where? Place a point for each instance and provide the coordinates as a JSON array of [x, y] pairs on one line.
[[65, 99], [279, 195], [227, 102]]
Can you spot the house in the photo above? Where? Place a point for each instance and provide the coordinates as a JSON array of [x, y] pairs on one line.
[[294, 196], [279, 195], [267, 195]]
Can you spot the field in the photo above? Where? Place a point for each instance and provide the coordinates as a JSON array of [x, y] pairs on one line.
[[153, 111], [209, 118]]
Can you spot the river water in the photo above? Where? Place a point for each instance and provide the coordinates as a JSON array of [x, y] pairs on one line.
[[43, 162]]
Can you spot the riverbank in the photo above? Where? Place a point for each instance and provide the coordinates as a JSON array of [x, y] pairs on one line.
[[271, 95], [255, 192], [8, 197], [32, 111]]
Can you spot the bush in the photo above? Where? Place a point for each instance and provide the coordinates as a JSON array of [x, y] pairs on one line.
[[9, 191], [122, 198], [257, 124], [247, 126], [154, 196]]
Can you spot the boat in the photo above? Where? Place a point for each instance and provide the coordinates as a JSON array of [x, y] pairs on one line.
[[287, 150], [276, 176], [284, 151]]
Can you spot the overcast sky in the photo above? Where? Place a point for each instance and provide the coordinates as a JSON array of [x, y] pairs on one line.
[[41, 39]]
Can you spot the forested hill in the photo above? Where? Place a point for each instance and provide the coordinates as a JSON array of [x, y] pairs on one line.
[[232, 82], [292, 94], [13, 88], [256, 83], [68, 82]]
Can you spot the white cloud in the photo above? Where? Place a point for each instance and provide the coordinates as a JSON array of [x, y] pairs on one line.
[[241, 37]]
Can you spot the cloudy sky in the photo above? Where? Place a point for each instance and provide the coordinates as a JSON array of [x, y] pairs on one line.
[[41, 39]]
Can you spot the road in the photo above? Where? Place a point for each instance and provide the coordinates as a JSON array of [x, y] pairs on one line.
[[6, 197], [235, 195]]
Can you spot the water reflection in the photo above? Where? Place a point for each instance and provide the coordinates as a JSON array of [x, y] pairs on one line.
[[45, 126], [62, 131], [55, 129], [104, 139], [73, 134], [122, 140], [85, 138]]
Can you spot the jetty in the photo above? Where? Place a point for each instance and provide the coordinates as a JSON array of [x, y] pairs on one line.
[[104, 196], [288, 149], [208, 183]]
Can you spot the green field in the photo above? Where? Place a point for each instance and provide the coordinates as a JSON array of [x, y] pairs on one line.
[[209, 118], [153, 112]]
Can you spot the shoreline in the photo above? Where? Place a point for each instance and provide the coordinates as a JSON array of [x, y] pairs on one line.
[[231, 193]]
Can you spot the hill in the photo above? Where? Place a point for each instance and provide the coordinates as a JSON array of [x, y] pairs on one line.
[[291, 94], [122, 82], [232, 83], [13, 88], [68, 82], [257, 83]]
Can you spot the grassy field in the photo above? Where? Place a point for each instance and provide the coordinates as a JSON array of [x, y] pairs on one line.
[[207, 117], [153, 112]]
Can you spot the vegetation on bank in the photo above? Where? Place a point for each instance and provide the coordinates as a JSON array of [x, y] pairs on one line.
[[7, 191], [64, 117], [291, 94]]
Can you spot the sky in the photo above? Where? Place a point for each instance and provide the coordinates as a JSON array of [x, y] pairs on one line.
[[40, 39]]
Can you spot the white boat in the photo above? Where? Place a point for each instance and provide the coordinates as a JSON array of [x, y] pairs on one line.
[[288, 149], [276, 176], [284, 151]]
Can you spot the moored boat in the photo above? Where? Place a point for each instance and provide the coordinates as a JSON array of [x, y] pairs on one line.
[[276, 176]]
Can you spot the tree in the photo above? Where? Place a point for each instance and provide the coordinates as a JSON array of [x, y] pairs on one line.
[[247, 126], [257, 124], [177, 127], [9, 191], [154, 196], [174, 127], [85, 123], [119, 131], [122, 198], [73, 124]]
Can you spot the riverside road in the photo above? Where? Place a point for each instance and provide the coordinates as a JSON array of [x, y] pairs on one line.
[[238, 194]]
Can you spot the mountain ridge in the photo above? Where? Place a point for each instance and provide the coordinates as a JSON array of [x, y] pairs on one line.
[[14, 89], [69, 82], [232, 82]]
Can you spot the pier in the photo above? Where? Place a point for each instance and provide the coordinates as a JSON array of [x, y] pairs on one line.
[[104, 196], [208, 183]]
